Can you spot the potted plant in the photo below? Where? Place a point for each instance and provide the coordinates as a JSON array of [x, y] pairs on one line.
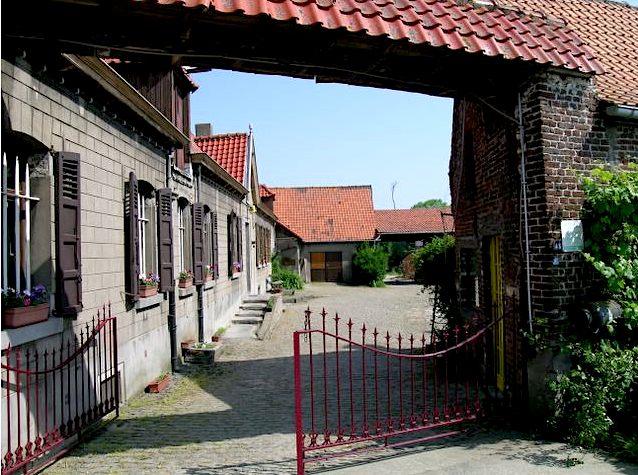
[[218, 334], [208, 273], [148, 284], [236, 267], [24, 308], [185, 279], [159, 384], [200, 353]]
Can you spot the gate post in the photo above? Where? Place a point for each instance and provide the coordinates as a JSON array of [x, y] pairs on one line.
[[298, 419]]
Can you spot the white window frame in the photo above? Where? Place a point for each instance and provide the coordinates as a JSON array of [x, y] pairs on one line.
[[181, 231], [142, 222], [20, 201]]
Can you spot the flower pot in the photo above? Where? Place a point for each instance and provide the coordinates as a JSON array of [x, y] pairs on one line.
[[208, 277], [215, 338], [185, 283], [148, 290], [22, 316], [158, 386]]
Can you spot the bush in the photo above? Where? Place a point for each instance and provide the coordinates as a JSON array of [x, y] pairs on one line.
[[369, 265], [288, 278]]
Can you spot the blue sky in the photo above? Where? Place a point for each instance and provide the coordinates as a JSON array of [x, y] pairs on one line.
[[309, 134]]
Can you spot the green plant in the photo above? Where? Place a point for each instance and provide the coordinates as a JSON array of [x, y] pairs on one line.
[[433, 203], [161, 377], [288, 278], [202, 345], [596, 399], [370, 265], [149, 279], [185, 275], [220, 331], [14, 299]]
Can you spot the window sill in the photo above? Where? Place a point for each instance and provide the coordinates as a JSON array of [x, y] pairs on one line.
[[19, 336], [187, 292], [209, 285], [235, 276], [147, 302]]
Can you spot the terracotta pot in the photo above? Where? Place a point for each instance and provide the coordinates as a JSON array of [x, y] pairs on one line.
[[148, 290], [208, 277], [22, 316], [158, 386], [185, 283]]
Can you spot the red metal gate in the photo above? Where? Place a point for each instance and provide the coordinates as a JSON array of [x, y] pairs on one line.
[[382, 388], [53, 395]]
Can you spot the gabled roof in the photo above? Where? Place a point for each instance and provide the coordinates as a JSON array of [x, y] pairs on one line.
[[475, 27], [610, 29], [229, 150], [265, 192], [413, 221], [327, 213]]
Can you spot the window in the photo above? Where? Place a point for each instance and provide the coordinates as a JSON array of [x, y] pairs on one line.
[[184, 229], [146, 226], [210, 243], [234, 244], [262, 238]]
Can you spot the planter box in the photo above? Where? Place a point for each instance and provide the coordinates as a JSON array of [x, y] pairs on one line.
[[22, 316], [200, 355], [185, 283], [158, 386], [148, 290], [208, 277]]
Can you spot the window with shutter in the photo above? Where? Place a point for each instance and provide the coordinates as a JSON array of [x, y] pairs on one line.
[[68, 239], [165, 239], [198, 243], [131, 209], [230, 229], [215, 250]]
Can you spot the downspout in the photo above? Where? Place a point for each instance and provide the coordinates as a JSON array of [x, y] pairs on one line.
[[172, 321], [524, 188], [200, 288]]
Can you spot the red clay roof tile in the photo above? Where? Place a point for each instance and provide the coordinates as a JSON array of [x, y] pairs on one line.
[[611, 31], [228, 150], [413, 221], [326, 214], [440, 23], [265, 192]]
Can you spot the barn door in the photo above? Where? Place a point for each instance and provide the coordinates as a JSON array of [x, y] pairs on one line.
[[318, 266], [333, 267]]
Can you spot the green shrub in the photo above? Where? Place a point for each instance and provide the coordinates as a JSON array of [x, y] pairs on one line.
[[434, 257], [369, 265], [289, 279]]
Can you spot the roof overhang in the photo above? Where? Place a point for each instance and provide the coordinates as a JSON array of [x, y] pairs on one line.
[[116, 85], [205, 160], [266, 211]]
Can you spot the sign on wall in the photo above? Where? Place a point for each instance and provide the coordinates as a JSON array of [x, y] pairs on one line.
[[572, 235]]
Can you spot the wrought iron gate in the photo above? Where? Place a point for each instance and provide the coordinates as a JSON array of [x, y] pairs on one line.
[[51, 396], [381, 388]]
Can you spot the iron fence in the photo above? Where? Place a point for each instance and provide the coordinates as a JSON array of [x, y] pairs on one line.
[[384, 391], [51, 396]]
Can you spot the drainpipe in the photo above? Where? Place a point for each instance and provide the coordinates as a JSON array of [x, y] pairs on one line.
[[200, 288], [521, 128], [172, 321]]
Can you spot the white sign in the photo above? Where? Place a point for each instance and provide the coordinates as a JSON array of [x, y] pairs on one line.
[[572, 235]]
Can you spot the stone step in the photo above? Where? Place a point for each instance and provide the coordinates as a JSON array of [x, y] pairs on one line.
[[246, 331], [253, 306], [256, 298], [250, 313], [247, 320]]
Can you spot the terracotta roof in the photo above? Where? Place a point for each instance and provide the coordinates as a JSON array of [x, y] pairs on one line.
[[265, 192], [326, 214], [476, 27], [610, 29], [229, 150], [417, 221]]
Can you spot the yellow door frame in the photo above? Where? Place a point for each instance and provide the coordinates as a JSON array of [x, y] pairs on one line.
[[497, 311]]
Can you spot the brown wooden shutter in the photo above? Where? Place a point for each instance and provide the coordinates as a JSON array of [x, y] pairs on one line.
[[132, 238], [230, 224], [240, 254], [68, 228], [215, 250], [198, 243], [165, 239]]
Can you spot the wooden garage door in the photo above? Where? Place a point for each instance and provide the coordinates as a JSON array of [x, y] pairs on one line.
[[325, 267]]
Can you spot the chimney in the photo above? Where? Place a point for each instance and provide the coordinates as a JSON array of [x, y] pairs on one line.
[[203, 129]]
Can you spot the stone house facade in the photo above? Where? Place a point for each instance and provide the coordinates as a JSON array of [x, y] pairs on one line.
[[504, 204], [147, 202]]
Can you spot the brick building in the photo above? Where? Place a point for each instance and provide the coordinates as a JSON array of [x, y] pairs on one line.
[[569, 120]]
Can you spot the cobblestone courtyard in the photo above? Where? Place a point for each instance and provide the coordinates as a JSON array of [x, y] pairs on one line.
[[237, 417]]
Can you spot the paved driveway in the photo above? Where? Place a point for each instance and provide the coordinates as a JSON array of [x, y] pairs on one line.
[[237, 417]]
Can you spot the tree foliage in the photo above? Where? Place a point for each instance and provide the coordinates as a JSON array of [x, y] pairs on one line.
[[370, 265], [597, 398], [433, 203]]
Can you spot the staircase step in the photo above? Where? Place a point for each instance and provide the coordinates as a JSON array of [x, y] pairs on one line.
[[256, 298], [241, 331], [253, 306], [250, 313], [247, 320]]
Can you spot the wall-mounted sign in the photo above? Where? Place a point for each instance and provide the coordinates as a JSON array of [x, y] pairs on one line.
[[572, 235]]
